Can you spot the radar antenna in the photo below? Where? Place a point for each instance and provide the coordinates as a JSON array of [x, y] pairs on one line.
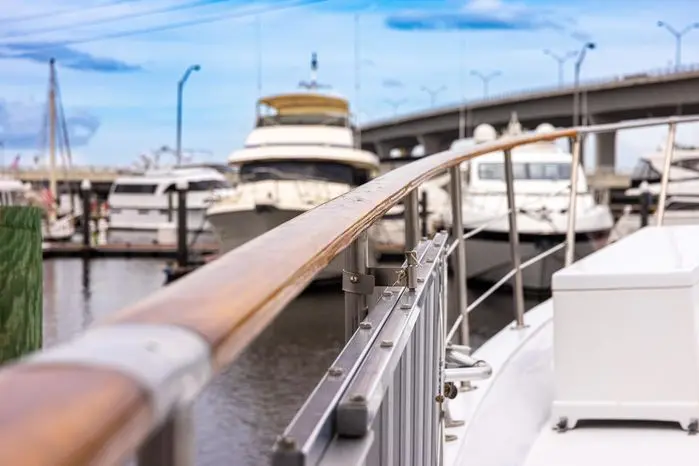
[[313, 83]]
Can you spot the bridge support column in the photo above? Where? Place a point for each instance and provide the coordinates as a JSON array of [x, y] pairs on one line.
[[605, 150], [430, 143], [383, 149]]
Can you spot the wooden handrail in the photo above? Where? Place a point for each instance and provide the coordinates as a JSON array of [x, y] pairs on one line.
[[66, 414]]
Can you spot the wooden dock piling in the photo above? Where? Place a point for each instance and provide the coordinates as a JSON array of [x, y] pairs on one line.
[[21, 281]]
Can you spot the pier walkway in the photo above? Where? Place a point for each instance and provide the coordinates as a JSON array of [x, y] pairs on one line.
[[124, 388]]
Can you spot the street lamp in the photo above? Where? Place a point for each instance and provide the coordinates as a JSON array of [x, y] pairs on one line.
[[486, 78], [395, 104], [561, 59], [678, 38], [433, 93], [576, 94], [180, 86]]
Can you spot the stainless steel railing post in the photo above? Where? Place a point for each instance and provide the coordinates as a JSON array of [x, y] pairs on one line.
[[518, 290], [172, 444], [412, 220], [459, 264], [573, 199], [669, 151], [356, 264]]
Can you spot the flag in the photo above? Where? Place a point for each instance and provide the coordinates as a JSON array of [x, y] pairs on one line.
[[47, 198], [314, 61], [15, 163]]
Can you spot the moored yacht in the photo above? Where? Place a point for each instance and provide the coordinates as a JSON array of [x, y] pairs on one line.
[[143, 208], [301, 154], [541, 177], [682, 202]]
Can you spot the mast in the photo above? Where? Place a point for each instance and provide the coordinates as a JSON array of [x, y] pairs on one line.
[[53, 188]]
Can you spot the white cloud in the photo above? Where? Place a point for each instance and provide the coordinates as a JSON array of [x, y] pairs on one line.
[[137, 109]]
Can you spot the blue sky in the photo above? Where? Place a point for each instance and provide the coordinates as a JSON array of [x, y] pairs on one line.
[[120, 60]]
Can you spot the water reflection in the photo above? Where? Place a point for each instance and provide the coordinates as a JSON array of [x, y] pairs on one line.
[[242, 411]]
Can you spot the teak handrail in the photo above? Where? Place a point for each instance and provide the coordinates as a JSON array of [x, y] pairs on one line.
[[73, 414]]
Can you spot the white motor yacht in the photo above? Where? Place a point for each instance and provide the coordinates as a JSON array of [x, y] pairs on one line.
[[300, 154], [541, 176], [143, 208]]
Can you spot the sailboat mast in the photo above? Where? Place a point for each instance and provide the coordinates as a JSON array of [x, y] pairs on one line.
[[53, 188]]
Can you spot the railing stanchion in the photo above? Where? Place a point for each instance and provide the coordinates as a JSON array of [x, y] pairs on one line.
[[573, 199], [173, 443], [356, 258], [669, 151], [459, 264], [518, 290], [412, 220]]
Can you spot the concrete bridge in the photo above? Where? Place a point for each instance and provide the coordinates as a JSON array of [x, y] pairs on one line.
[[100, 177], [650, 94]]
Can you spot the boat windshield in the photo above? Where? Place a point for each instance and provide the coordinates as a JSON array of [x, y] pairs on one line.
[[312, 119], [553, 171], [334, 172], [644, 171]]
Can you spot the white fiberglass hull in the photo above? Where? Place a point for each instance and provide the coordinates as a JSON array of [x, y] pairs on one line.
[[629, 223], [150, 235], [234, 228], [62, 230], [489, 256]]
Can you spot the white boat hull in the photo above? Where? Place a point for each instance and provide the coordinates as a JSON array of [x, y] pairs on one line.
[[489, 257], [234, 228], [148, 235]]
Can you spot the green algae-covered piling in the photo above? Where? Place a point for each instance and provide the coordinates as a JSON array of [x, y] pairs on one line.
[[21, 281]]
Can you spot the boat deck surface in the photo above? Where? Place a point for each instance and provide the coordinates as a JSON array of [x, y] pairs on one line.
[[508, 423]]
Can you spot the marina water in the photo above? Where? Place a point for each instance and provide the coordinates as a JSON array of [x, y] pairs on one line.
[[247, 406]]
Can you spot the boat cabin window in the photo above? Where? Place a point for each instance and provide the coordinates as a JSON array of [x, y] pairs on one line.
[[644, 171], [525, 171], [320, 119], [303, 170], [135, 188], [202, 185], [688, 164]]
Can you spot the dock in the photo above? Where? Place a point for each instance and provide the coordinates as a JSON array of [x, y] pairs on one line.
[[160, 251]]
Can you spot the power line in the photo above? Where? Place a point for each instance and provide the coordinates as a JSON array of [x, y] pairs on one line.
[[168, 27], [112, 19], [69, 11]]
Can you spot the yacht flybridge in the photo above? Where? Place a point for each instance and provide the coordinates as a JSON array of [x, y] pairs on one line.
[[541, 173], [300, 155]]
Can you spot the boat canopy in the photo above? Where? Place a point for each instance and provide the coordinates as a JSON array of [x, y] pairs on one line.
[[306, 104]]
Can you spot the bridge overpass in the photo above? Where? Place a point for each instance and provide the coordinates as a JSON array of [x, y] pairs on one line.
[[100, 177], [656, 93]]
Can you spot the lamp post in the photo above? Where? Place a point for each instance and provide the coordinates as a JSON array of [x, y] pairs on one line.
[[561, 59], [180, 86], [395, 104], [433, 93], [678, 38], [486, 78], [576, 94]]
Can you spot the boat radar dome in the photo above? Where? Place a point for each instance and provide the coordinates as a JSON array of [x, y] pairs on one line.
[[484, 133], [545, 128]]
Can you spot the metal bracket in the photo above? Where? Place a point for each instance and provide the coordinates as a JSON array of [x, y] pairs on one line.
[[358, 283]]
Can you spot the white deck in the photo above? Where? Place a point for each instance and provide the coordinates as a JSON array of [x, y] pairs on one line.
[[623, 376], [610, 445]]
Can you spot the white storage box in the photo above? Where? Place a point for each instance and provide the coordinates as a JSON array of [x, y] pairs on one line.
[[626, 330]]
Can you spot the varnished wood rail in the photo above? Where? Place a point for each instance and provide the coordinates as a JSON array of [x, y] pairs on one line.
[[92, 403]]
